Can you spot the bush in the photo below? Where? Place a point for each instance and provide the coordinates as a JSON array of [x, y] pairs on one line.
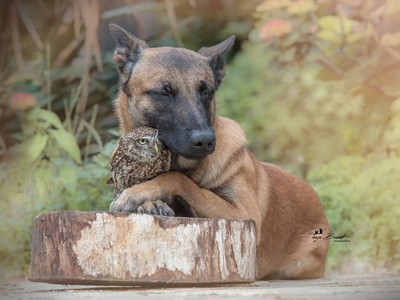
[[44, 172], [361, 199], [316, 90]]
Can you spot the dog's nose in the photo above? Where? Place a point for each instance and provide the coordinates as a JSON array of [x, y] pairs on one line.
[[203, 141]]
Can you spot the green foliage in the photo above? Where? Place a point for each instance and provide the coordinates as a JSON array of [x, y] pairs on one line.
[[44, 173], [361, 199], [43, 127], [291, 116], [316, 90], [26, 190], [61, 49]]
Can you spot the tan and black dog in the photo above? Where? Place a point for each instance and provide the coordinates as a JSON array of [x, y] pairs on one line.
[[172, 89]]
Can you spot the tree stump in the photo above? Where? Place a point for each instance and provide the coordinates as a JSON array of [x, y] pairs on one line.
[[109, 248]]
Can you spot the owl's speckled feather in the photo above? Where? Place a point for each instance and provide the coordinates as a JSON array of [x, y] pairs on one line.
[[140, 156]]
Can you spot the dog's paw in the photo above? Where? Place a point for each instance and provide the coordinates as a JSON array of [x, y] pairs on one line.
[[156, 207], [140, 198], [127, 201]]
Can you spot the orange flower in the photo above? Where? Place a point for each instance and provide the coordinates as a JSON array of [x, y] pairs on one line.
[[274, 28], [22, 101]]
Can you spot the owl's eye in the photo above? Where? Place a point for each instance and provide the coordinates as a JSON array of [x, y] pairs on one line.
[[142, 142]]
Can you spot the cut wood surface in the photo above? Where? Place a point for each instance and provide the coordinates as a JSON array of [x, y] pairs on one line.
[[133, 249]]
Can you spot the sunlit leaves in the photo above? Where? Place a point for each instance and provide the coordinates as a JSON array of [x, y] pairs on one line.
[[34, 147], [67, 142], [269, 5], [340, 30], [48, 116], [55, 183], [44, 133], [302, 6]]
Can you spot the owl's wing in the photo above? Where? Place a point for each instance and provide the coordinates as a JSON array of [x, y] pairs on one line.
[[116, 158]]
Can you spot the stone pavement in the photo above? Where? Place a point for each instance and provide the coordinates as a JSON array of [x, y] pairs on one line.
[[333, 286]]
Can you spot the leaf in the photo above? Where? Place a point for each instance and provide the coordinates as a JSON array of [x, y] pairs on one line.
[[67, 141], [335, 23], [35, 146], [334, 29], [49, 116]]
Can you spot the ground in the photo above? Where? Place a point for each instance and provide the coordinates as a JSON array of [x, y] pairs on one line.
[[333, 286]]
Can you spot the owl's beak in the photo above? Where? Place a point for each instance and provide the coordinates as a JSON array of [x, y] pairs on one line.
[[154, 149]]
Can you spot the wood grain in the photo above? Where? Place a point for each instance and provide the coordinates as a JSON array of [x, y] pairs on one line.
[[132, 249]]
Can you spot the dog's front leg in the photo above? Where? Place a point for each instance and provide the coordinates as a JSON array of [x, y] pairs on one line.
[[202, 202], [139, 198]]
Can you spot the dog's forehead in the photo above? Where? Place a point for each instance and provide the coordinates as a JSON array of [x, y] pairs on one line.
[[178, 66], [177, 58]]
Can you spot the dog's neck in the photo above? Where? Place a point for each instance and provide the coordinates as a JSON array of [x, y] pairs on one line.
[[181, 164]]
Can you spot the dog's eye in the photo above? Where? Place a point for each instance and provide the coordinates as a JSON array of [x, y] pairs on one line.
[[205, 89], [166, 90]]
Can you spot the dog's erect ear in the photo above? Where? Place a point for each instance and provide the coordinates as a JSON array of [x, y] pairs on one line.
[[128, 49], [216, 57]]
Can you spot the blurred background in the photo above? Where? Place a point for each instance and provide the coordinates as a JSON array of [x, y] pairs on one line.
[[314, 83]]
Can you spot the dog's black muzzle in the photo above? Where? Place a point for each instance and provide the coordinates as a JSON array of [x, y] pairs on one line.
[[195, 144], [202, 142]]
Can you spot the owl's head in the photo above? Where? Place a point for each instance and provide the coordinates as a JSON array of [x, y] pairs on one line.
[[142, 143]]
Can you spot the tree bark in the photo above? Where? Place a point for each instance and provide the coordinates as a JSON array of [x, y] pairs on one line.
[[132, 249]]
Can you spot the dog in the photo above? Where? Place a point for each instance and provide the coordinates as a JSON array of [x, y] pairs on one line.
[[212, 172]]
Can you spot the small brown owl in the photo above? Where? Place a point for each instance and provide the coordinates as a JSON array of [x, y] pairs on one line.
[[140, 156]]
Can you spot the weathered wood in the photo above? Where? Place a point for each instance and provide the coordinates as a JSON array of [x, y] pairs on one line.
[[133, 249]]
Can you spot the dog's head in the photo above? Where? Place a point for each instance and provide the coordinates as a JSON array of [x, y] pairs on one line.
[[171, 89]]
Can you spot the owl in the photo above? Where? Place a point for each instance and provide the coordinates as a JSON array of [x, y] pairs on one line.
[[140, 156]]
